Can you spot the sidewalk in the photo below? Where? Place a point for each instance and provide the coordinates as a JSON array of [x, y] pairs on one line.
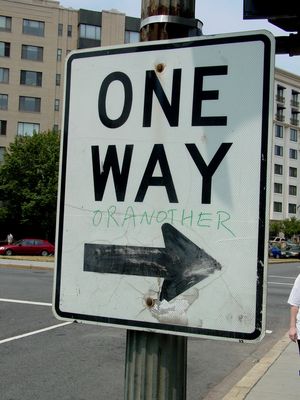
[[274, 377]]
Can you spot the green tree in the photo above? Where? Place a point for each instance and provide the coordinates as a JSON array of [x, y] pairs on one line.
[[291, 227], [275, 227], [28, 184]]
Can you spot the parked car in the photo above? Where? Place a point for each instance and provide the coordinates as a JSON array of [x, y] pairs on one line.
[[276, 252], [277, 239], [37, 247], [293, 251]]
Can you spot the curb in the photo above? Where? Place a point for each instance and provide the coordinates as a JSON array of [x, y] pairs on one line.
[[242, 388], [27, 267], [282, 260], [27, 258], [26, 264]]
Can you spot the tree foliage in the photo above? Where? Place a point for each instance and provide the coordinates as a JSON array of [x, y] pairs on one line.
[[289, 227], [28, 184], [275, 227]]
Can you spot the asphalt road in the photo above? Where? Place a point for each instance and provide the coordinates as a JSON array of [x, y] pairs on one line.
[[43, 358]]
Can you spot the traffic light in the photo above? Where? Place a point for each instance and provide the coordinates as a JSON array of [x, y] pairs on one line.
[[284, 14]]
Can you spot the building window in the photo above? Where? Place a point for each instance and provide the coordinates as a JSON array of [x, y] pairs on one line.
[[4, 75], [3, 126], [295, 99], [294, 118], [292, 208], [278, 150], [293, 172], [27, 128], [55, 128], [132, 37], [3, 101], [58, 54], [2, 154], [278, 169], [57, 79], [29, 104], [60, 29], [89, 32], [5, 23], [292, 190], [293, 154], [69, 32], [4, 49], [277, 206], [56, 105], [293, 135], [34, 53], [31, 78], [277, 187], [36, 28], [280, 94], [280, 114], [279, 131]]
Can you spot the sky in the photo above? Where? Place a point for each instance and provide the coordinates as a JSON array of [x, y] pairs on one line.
[[229, 18]]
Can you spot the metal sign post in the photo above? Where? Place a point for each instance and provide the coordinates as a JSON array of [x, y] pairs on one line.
[[155, 366], [155, 363]]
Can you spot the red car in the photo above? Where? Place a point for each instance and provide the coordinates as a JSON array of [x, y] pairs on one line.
[[37, 247]]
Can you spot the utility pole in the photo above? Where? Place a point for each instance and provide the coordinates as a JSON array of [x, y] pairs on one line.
[[156, 363], [168, 19]]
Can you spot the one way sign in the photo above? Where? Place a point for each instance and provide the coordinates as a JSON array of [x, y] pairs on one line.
[[163, 201]]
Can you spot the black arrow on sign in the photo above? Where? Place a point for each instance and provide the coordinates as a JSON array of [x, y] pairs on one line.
[[181, 263]]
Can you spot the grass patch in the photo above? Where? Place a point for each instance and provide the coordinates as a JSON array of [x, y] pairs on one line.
[[29, 258]]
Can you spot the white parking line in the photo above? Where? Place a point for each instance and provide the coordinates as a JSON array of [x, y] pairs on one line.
[[280, 283], [35, 332], [282, 277], [34, 303]]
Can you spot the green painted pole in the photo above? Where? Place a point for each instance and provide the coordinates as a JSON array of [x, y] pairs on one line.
[[155, 366]]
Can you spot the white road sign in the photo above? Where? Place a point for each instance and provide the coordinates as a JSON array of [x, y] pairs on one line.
[[163, 186]]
